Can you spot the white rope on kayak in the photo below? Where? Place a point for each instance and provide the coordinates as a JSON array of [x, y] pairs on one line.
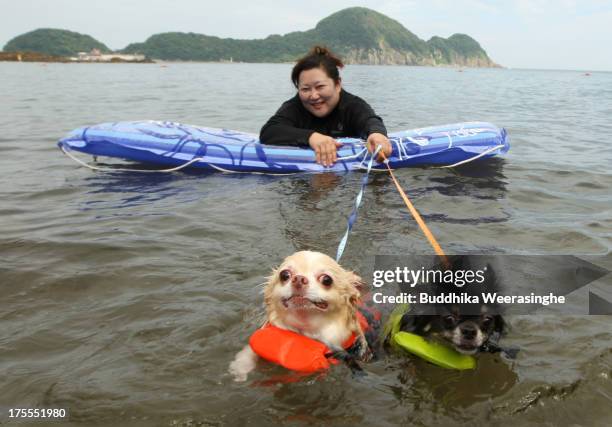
[[398, 143], [404, 148], [220, 169], [364, 159], [354, 156], [96, 168], [471, 159], [178, 168]]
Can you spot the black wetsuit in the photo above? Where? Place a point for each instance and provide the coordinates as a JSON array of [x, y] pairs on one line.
[[293, 124]]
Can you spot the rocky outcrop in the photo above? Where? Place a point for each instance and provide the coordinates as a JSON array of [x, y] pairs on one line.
[[30, 57]]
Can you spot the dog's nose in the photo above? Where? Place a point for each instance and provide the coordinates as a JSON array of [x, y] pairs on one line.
[[299, 281], [468, 332]]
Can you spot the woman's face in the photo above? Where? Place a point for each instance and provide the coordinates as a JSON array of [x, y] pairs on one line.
[[318, 92]]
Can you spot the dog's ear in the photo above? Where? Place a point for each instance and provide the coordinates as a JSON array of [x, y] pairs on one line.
[[453, 263], [416, 324], [358, 283], [273, 275], [357, 288]]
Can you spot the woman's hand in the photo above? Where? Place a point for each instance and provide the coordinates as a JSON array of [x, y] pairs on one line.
[[325, 148], [376, 139]]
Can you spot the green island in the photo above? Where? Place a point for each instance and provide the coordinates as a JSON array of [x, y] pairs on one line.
[[359, 35]]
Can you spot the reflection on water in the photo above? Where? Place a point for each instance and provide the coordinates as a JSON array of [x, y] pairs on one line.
[[450, 389], [130, 189], [481, 180]]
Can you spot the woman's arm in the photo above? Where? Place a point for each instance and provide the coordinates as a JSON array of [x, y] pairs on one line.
[[369, 126], [363, 119]]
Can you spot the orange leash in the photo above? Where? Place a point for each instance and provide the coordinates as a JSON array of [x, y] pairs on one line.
[[430, 237]]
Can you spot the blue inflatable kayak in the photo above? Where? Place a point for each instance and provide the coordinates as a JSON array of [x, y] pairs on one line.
[[175, 144]]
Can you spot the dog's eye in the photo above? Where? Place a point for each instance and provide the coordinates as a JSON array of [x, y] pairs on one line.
[[326, 280], [285, 275], [449, 321]]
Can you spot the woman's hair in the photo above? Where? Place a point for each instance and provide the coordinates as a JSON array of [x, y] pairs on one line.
[[318, 57]]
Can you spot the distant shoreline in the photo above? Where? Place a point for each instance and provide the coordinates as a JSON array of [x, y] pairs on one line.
[[41, 57]]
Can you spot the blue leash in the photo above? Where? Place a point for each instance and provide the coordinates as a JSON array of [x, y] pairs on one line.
[[353, 216]]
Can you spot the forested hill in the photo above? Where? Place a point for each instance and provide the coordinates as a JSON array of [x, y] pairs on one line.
[[51, 41], [357, 34]]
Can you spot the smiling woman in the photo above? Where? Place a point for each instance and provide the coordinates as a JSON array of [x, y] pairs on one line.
[[322, 111]]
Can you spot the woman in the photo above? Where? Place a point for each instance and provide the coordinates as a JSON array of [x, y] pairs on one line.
[[322, 111]]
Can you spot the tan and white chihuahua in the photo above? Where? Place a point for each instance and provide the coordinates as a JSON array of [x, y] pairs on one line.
[[312, 295]]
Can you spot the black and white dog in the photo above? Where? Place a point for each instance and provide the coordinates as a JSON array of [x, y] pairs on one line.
[[470, 327]]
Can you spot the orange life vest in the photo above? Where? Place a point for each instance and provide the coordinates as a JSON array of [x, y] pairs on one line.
[[297, 352]]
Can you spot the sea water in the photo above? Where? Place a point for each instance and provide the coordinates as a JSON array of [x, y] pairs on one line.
[[124, 296]]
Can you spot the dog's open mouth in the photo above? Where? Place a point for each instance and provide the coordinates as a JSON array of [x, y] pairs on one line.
[[300, 302], [466, 348]]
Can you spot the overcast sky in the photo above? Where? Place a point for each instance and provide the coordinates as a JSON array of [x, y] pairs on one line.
[[547, 34]]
